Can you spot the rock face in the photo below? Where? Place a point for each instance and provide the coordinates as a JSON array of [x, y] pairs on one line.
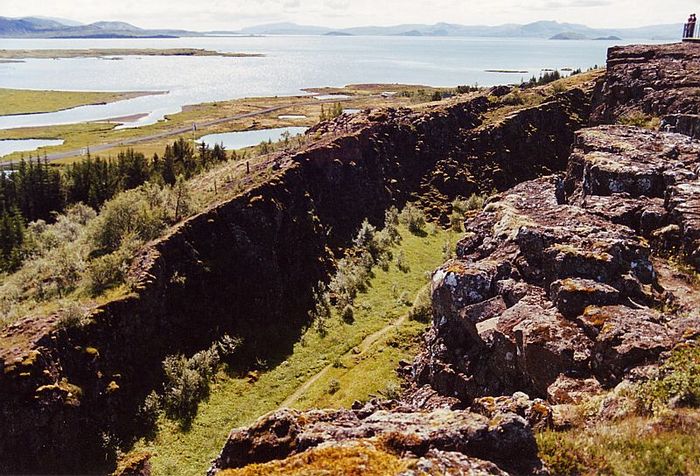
[[554, 288], [456, 440], [656, 80], [248, 266]]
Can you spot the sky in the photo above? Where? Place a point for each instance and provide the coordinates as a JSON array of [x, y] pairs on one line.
[[234, 14]]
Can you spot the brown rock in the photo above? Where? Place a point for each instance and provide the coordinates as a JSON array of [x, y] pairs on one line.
[[507, 442]]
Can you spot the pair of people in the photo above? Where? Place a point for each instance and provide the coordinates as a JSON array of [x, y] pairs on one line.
[[689, 31]]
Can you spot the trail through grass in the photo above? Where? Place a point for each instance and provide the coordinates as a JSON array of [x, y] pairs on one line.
[[360, 370]]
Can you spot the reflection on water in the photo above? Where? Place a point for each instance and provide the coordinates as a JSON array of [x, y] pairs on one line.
[[240, 140]]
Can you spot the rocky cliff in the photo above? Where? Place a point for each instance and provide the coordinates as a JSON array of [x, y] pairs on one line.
[[656, 80], [558, 289], [247, 267], [563, 286]]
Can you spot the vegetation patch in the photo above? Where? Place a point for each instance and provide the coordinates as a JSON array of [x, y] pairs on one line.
[[355, 360], [353, 460], [26, 101]]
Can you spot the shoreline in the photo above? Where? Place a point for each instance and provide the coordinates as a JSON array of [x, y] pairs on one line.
[[118, 96], [111, 52]]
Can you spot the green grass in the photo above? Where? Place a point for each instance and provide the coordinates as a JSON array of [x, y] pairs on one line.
[[236, 402], [637, 446], [25, 101]]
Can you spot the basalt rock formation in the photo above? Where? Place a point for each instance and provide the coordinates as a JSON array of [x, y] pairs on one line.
[[247, 267], [656, 80], [559, 289], [437, 442], [555, 290]]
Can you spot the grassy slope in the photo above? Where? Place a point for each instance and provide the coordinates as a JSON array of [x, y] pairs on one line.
[[239, 401], [25, 101]]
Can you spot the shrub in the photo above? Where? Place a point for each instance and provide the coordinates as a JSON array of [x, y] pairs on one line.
[[348, 314], [111, 269], [333, 387], [392, 391], [401, 262], [422, 309], [414, 218], [639, 119], [514, 98], [678, 382], [187, 380], [134, 214]]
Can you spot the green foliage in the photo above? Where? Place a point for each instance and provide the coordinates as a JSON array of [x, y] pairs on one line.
[[514, 98], [109, 270], [467, 89], [678, 381], [187, 383], [187, 379], [335, 110], [133, 215], [414, 218], [12, 239], [333, 387], [348, 314], [545, 78], [639, 119], [635, 446], [422, 309]]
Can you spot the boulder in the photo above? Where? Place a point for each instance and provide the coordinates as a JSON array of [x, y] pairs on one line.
[[451, 438]]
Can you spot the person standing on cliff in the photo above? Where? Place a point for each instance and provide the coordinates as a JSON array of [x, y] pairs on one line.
[[691, 26], [686, 27]]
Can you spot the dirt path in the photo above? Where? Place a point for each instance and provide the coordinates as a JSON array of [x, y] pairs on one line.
[[366, 344], [182, 130]]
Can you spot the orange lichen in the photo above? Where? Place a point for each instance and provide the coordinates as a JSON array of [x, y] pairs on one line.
[[356, 460]]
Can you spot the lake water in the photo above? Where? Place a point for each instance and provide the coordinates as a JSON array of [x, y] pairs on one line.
[[25, 145], [290, 64], [243, 139]]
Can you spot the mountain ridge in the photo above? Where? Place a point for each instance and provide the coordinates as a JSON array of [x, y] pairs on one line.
[[42, 27]]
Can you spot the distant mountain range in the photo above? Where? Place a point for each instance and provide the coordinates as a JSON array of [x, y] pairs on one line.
[[540, 29], [41, 27]]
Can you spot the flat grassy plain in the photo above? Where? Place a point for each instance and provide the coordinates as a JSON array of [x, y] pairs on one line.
[[83, 136], [359, 367], [25, 101]]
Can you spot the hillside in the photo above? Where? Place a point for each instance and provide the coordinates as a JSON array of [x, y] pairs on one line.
[[559, 335]]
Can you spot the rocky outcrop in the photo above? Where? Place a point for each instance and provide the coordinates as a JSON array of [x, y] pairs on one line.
[[457, 440], [554, 291], [655, 80], [247, 267]]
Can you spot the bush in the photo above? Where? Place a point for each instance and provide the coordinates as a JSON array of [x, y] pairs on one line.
[[414, 218], [187, 383], [333, 387], [134, 214], [401, 262], [678, 382], [422, 309], [348, 314], [187, 380]]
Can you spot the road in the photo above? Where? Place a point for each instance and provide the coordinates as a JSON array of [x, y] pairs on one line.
[[181, 130]]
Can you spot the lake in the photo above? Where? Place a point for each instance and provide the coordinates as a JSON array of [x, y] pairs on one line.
[[25, 145], [243, 139], [290, 65]]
